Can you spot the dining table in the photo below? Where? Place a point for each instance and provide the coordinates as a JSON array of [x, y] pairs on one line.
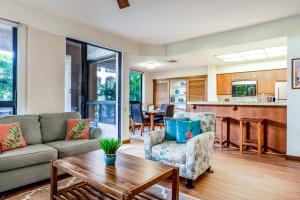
[[152, 115]]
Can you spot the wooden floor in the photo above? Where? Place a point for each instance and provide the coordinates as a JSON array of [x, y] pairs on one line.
[[268, 178]]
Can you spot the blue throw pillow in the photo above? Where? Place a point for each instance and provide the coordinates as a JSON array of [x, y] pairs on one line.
[[171, 128], [187, 130]]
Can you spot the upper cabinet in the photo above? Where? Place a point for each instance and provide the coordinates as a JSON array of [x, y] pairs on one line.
[[281, 75], [244, 76], [196, 89], [224, 84], [266, 82]]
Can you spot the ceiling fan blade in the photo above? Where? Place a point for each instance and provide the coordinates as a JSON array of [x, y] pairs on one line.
[[123, 3]]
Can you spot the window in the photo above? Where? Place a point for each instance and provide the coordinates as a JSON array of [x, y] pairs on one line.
[[135, 84], [8, 63]]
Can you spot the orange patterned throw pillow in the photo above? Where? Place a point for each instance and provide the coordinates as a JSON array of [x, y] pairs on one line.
[[78, 129], [11, 137]]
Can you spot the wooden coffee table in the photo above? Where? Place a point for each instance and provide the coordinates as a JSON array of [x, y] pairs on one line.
[[128, 179]]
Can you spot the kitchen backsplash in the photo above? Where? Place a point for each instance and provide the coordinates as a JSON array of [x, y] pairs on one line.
[[258, 98]]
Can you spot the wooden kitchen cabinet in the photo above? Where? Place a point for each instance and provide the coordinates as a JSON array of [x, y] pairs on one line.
[[161, 93], [224, 84], [196, 89], [242, 76], [281, 75], [266, 82]]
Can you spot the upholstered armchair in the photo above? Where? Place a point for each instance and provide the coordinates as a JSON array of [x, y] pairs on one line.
[[192, 158]]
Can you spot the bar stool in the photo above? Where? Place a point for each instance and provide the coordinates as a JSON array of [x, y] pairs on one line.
[[219, 139], [260, 135]]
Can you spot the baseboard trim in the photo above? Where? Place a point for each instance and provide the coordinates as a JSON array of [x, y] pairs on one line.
[[293, 158], [126, 141]]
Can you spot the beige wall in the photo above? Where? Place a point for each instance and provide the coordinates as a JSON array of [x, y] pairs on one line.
[[147, 89], [195, 71], [33, 17], [293, 128], [45, 72], [125, 98]]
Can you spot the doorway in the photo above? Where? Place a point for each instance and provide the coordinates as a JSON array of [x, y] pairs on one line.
[[93, 82]]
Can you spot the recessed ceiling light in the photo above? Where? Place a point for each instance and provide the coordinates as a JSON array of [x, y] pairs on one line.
[[150, 65], [233, 57], [254, 54], [257, 54], [276, 51]]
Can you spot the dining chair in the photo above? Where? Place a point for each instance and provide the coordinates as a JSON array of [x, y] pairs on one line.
[[168, 109], [138, 117]]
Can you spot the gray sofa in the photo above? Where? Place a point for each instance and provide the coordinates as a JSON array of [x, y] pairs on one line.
[[44, 134]]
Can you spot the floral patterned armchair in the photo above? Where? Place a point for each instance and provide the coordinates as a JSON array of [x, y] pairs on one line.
[[192, 158]]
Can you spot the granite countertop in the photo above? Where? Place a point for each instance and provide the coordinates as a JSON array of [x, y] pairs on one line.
[[238, 103]]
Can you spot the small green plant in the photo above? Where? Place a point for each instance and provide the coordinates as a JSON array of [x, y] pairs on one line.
[[109, 146]]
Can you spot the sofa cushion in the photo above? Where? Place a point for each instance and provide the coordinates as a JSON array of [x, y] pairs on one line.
[[30, 127], [27, 156], [74, 147], [187, 129], [54, 125], [207, 119], [171, 128], [11, 137], [169, 151], [78, 129]]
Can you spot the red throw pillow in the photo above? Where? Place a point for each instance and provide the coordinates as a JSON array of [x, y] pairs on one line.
[[11, 137], [78, 129]]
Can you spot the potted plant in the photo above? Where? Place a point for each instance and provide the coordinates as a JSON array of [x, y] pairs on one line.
[[110, 147]]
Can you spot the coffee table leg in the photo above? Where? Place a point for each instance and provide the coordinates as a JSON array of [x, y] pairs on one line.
[[53, 183], [175, 184]]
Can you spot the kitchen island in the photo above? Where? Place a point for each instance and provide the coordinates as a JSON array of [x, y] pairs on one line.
[[275, 115]]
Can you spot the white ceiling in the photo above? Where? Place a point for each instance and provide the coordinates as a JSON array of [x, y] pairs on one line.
[[201, 59], [167, 21]]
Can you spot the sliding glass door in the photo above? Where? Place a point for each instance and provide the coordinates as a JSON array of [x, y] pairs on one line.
[[93, 86], [8, 70]]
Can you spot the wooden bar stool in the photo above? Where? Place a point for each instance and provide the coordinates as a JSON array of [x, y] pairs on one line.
[[248, 141], [222, 120]]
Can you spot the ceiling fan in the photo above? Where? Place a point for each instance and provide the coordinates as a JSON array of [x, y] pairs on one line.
[[123, 3]]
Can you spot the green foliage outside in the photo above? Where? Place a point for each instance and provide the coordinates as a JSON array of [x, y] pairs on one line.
[[135, 85], [109, 145], [108, 90], [6, 77]]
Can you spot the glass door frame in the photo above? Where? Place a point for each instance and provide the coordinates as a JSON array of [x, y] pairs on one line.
[[13, 102], [85, 81]]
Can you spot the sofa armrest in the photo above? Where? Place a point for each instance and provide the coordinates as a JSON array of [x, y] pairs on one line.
[[95, 133], [151, 139], [199, 154]]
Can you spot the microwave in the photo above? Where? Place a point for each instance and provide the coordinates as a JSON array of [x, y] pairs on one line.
[[243, 88]]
